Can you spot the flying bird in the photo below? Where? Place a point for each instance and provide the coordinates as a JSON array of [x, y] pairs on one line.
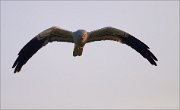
[[80, 38]]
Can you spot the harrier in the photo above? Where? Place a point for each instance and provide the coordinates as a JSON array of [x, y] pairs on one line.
[[80, 38]]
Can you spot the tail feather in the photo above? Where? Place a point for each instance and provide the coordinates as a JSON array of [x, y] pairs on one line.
[[77, 51]]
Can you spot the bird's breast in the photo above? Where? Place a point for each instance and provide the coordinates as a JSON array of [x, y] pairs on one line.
[[80, 40]]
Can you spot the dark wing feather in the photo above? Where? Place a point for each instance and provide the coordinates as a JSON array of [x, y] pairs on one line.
[[140, 47], [27, 52], [49, 35], [109, 33]]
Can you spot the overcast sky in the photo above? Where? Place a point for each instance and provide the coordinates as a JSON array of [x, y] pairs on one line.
[[108, 74]]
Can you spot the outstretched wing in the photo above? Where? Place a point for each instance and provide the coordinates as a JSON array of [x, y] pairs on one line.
[[109, 33], [48, 35]]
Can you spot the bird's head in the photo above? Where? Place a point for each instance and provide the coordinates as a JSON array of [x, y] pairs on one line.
[[80, 35]]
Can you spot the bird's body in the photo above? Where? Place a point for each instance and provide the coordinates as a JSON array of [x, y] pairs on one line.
[[80, 38]]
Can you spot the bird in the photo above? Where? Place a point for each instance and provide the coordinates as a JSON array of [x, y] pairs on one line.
[[80, 38]]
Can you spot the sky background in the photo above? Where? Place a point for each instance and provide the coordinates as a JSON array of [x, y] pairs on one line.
[[108, 75]]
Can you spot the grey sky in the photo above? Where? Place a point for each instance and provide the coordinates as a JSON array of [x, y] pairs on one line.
[[108, 74]]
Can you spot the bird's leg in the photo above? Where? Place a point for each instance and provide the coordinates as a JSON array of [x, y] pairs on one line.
[[75, 52], [78, 50]]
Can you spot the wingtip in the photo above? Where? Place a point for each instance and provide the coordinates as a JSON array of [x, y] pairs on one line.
[[26, 53], [15, 63], [16, 70]]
